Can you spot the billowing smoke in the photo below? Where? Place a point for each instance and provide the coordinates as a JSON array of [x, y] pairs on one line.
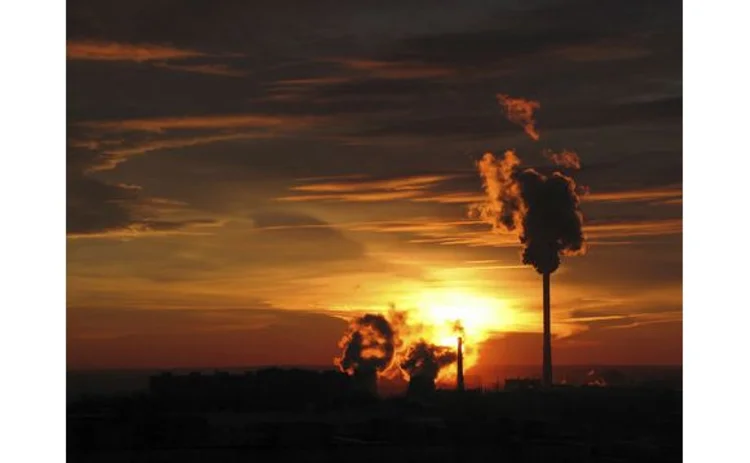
[[424, 360], [565, 158], [521, 112], [397, 345], [543, 210], [368, 345]]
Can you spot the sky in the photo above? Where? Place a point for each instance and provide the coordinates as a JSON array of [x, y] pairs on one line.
[[244, 177]]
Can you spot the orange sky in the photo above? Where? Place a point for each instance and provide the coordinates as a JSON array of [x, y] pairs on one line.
[[231, 208]]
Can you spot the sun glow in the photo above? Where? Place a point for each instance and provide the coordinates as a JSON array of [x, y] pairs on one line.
[[446, 314]]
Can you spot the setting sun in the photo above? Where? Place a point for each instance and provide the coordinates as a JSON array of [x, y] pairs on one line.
[[447, 313], [478, 315], [327, 229]]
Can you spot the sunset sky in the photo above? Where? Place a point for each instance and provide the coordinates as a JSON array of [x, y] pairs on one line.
[[243, 177]]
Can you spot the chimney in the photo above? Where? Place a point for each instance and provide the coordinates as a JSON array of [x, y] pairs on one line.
[[547, 345], [460, 366]]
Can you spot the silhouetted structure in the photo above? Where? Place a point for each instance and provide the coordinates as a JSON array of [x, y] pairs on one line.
[[544, 210], [366, 381], [460, 366], [516, 384], [547, 344], [266, 415], [269, 388], [420, 386]]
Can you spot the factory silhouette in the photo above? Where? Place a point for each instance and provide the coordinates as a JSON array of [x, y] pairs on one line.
[[343, 413], [297, 388], [541, 209]]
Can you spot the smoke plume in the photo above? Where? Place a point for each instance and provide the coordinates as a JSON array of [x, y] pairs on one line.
[[458, 328], [424, 360], [368, 345], [566, 158], [520, 112], [542, 210]]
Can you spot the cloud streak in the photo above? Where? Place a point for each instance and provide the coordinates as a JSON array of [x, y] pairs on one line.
[[418, 182], [112, 157], [665, 194], [114, 51], [228, 121], [148, 228], [422, 189], [360, 197], [208, 69], [367, 190], [438, 231], [629, 229], [96, 208], [395, 69]]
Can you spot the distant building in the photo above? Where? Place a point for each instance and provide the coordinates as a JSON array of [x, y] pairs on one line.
[[421, 386], [366, 381], [270, 387], [518, 384]]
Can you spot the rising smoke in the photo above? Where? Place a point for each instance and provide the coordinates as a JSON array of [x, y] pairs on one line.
[[368, 345], [424, 360], [377, 345], [521, 112], [565, 158], [542, 210], [458, 328]]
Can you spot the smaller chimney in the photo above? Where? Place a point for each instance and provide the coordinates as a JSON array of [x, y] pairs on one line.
[[460, 366]]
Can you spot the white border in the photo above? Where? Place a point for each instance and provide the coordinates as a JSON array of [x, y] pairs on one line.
[[716, 237], [32, 188], [716, 234]]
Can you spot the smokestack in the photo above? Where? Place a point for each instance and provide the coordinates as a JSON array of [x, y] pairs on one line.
[[460, 367], [543, 211], [547, 346]]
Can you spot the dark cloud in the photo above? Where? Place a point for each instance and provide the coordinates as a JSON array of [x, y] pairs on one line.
[[657, 110], [468, 40], [95, 207], [542, 30]]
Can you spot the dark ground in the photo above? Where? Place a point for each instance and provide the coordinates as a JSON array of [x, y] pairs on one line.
[[571, 424]]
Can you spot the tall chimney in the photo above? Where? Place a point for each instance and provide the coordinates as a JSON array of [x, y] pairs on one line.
[[547, 346], [460, 365]]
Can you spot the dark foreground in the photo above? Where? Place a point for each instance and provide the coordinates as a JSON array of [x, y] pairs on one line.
[[566, 425]]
